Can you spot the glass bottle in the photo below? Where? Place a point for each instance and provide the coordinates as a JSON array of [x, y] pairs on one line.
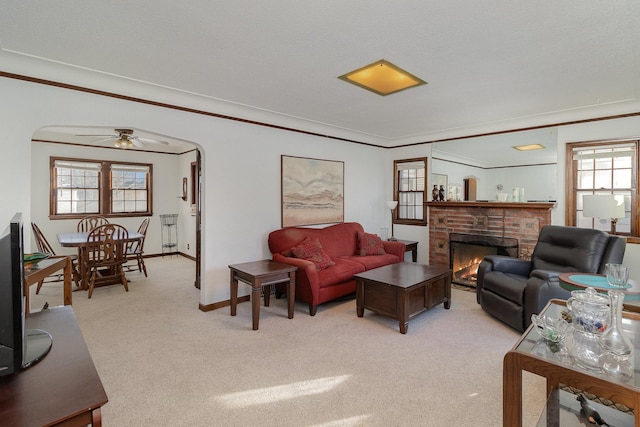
[[618, 349]]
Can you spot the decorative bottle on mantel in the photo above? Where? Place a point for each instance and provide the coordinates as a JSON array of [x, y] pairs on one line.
[[434, 193], [441, 193]]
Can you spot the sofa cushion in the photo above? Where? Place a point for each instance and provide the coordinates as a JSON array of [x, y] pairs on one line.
[[342, 271], [337, 240], [373, 261], [369, 244], [312, 250]]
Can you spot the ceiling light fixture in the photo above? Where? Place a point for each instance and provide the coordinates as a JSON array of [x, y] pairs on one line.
[[529, 147], [382, 77], [123, 142]]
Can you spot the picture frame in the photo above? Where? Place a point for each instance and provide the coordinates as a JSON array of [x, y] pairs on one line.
[[312, 191]]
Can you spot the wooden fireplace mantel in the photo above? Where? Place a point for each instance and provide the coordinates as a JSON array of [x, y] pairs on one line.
[[501, 205]]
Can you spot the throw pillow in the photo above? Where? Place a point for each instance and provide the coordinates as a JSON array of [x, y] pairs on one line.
[[370, 244], [311, 250]]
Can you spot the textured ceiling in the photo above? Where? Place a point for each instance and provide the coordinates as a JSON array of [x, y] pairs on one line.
[[490, 65]]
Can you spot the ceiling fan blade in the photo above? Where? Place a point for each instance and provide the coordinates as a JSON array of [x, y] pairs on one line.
[[136, 141], [104, 139], [152, 141]]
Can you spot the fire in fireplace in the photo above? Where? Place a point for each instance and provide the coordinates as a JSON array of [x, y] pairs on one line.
[[466, 252]]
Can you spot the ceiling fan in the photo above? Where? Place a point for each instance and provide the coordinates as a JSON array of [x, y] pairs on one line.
[[124, 138]]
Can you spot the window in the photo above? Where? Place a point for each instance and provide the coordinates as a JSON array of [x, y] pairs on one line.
[[409, 190], [603, 168], [81, 187]]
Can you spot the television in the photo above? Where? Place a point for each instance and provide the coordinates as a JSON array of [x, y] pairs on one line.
[[19, 347]]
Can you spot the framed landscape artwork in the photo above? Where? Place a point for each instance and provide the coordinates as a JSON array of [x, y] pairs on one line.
[[312, 191]]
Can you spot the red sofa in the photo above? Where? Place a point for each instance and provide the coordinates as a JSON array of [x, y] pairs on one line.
[[341, 243]]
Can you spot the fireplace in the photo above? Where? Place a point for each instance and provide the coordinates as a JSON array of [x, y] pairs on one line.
[[468, 250]]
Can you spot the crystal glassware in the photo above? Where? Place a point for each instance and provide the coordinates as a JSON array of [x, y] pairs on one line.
[[618, 349], [591, 314], [617, 275]]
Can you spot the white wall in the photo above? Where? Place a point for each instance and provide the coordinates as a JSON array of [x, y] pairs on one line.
[[186, 216], [241, 168]]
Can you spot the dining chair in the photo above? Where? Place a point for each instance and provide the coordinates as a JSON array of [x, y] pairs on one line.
[[135, 249], [44, 247], [90, 222], [106, 255]]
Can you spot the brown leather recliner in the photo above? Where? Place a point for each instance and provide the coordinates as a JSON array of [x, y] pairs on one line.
[[512, 289]]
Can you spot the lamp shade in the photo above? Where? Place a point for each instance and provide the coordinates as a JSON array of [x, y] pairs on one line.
[[602, 206], [392, 204]]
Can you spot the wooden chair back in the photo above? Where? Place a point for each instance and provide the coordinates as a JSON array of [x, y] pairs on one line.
[[41, 241], [106, 255], [90, 222], [106, 245], [138, 245], [45, 247]]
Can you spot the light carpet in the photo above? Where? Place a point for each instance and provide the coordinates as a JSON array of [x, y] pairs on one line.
[[164, 362]]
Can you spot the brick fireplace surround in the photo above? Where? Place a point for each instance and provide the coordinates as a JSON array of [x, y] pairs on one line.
[[520, 221]]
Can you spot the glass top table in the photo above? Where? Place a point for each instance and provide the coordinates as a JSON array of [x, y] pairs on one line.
[[579, 281], [533, 354]]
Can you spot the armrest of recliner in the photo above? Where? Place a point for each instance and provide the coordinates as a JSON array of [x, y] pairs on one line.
[[507, 264], [542, 286], [551, 276], [501, 263]]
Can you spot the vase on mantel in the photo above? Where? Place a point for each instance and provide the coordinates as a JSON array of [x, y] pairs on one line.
[[616, 361]]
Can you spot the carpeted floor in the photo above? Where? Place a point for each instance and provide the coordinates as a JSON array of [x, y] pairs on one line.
[[164, 362]]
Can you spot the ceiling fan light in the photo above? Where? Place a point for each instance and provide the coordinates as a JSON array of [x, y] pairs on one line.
[[123, 142]]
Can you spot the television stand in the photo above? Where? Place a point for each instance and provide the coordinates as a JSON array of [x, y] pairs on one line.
[[33, 397]]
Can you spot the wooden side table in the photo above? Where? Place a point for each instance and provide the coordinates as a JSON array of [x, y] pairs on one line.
[[258, 274], [411, 246], [36, 272], [532, 354]]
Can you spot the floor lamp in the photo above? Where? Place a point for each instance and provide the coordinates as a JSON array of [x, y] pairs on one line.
[[392, 204], [603, 206]]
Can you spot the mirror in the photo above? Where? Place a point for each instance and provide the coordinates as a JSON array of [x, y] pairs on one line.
[[493, 160]]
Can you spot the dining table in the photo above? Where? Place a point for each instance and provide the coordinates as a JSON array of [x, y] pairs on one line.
[[79, 239]]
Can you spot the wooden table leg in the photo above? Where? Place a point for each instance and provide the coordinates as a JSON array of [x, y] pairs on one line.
[[511, 391], [255, 305], [96, 416], [83, 258], [291, 293], [267, 295], [67, 282], [403, 310], [360, 297], [234, 293]]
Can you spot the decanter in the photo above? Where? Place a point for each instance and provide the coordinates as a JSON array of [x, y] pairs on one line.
[[618, 349]]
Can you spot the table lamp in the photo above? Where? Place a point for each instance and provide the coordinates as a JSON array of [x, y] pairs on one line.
[[392, 204], [603, 206]]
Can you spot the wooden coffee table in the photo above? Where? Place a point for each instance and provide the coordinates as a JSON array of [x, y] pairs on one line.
[[403, 290]]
